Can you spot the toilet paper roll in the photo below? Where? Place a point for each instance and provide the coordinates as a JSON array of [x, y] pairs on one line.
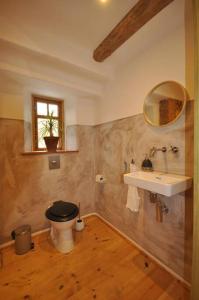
[[100, 178]]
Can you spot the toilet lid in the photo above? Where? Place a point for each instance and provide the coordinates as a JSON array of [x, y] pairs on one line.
[[62, 211]]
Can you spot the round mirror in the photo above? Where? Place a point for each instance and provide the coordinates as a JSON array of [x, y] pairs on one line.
[[165, 103]]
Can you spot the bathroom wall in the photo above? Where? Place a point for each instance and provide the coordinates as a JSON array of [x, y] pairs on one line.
[[11, 105], [28, 187], [128, 138], [161, 60], [122, 135]]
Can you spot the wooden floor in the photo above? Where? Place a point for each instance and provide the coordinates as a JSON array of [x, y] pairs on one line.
[[103, 265]]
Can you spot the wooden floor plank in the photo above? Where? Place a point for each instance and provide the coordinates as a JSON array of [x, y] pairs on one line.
[[103, 265]]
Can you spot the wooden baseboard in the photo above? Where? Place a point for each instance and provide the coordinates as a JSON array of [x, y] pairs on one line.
[[156, 260]]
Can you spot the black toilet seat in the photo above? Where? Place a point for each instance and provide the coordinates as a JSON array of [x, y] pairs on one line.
[[62, 211]]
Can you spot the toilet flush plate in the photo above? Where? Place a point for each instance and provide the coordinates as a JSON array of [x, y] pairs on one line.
[[54, 162]]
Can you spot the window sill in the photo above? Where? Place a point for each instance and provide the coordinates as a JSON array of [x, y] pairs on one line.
[[48, 153]]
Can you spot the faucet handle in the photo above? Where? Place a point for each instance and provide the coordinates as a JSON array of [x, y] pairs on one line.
[[174, 149], [164, 149], [153, 150]]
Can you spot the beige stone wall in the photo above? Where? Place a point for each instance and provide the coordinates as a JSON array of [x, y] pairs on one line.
[[28, 187], [129, 138]]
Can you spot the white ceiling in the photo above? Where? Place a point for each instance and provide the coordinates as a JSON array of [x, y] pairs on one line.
[[70, 30], [83, 23]]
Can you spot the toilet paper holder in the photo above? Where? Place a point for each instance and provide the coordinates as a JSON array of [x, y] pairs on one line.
[[100, 178]]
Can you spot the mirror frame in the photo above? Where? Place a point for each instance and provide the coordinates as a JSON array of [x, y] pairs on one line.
[[186, 96]]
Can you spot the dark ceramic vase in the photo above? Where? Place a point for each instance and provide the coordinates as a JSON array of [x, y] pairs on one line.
[[51, 143]]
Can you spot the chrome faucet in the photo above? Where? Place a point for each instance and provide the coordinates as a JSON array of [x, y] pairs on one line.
[[153, 150]]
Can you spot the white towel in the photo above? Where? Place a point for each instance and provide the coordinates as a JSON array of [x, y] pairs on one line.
[[133, 199]]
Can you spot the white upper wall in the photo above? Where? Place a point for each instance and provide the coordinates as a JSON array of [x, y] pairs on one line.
[[122, 97], [163, 60], [46, 48]]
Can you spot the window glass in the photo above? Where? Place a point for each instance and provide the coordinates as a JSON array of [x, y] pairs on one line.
[[41, 132], [56, 128], [53, 109], [42, 109]]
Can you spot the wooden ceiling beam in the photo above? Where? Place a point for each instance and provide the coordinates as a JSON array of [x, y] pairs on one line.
[[140, 14]]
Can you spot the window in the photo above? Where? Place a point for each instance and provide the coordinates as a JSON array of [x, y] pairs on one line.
[[42, 108]]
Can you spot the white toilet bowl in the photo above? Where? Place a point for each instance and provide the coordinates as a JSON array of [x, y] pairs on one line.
[[62, 235], [62, 216]]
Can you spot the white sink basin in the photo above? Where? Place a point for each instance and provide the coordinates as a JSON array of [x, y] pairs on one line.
[[158, 182]]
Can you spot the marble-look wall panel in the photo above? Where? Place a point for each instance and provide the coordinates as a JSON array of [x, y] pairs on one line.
[[128, 138], [28, 187]]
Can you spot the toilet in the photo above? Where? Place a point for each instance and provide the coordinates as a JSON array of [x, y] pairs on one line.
[[62, 217]]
